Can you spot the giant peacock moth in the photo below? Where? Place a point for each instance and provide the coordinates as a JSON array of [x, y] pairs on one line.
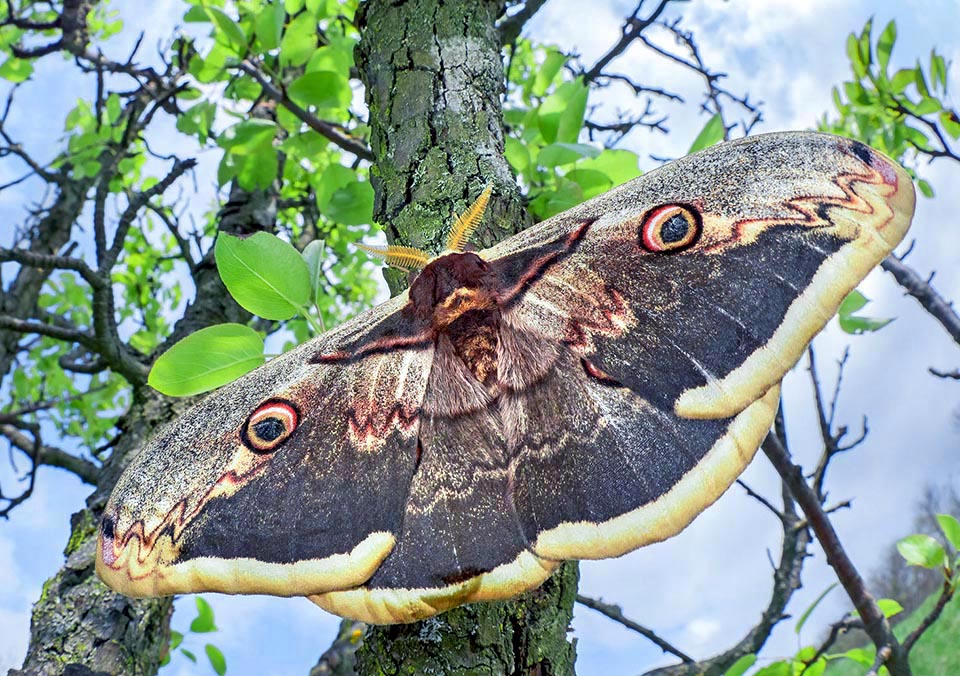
[[579, 390]]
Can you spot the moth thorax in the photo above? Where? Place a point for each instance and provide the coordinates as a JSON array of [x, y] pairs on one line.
[[457, 294]]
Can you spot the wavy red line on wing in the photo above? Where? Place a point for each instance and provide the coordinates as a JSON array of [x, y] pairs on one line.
[[808, 206]]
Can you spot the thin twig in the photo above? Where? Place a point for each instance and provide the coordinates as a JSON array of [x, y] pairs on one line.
[[325, 129], [875, 623], [926, 295], [616, 614]]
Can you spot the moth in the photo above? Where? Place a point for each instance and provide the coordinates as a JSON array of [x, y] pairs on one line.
[[577, 391]]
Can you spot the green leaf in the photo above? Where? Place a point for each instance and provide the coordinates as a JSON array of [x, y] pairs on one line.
[[560, 117], [547, 72], [323, 89], [921, 550], [776, 669], [591, 181], [176, 638], [198, 120], [227, 28], [711, 133], [518, 155], [740, 667], [619, 165], [334, 177], [207, 359], [864, 656], [951, 529], [248, 137], [352, 204], [855, 324], [264, 274], [812, 607], [925, 188], [16, 70], [951, 123], [217, 660], [557, 154], [920, 81], [331, 58], [852, 303], [889, 607], [268, 25], [203, 622], [189, 655], [313, 254], [853, 53], [885, 44], [902, 79], [299, 40]]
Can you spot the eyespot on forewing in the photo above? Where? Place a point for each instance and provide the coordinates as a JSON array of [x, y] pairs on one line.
[[270, 425], [670, 228]]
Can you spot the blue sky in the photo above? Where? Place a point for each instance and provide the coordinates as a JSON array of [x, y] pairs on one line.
[[703, 589]]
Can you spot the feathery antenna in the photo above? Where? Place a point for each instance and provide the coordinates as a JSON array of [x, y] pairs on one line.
[[396, 256], [465, 225]]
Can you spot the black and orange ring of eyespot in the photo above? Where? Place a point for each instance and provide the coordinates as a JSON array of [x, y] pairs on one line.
[[670, 228], [270, 425]]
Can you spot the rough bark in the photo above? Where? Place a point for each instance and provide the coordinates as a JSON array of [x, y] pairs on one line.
[[434, 79]]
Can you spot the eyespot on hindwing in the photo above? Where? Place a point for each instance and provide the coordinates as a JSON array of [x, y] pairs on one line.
[[270, 425], [670, 228]]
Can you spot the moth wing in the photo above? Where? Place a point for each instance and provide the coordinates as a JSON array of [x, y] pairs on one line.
[[199, 510], [670, 362], [459, 541], [789, 224]]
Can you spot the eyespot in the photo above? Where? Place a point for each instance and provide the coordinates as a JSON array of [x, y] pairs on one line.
[[670, 228], [270, 425]]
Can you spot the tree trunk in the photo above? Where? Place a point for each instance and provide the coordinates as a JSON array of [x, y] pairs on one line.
[[434, 79]]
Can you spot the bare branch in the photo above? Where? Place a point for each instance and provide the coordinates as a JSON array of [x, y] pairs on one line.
[[875, 624], [954, 374], [616, 614], [926, 295], [511, 27], [632, 29], [762, 500], [836, 629], [945, 595], [52, 330], [54, 262], [329, 131], [52, 456], [136, 203]]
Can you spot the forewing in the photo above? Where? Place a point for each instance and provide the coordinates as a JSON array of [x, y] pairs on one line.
[[198, 509], [789, 224]]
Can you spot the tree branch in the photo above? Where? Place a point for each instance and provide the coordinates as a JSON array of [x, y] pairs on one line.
[[945, 595], [614, 613], [325, 129], [511, 27], [632, 29], [51, 455], [926, 295], [875, 624]]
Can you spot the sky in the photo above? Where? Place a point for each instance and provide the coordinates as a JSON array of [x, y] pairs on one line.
[[703, 589]]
